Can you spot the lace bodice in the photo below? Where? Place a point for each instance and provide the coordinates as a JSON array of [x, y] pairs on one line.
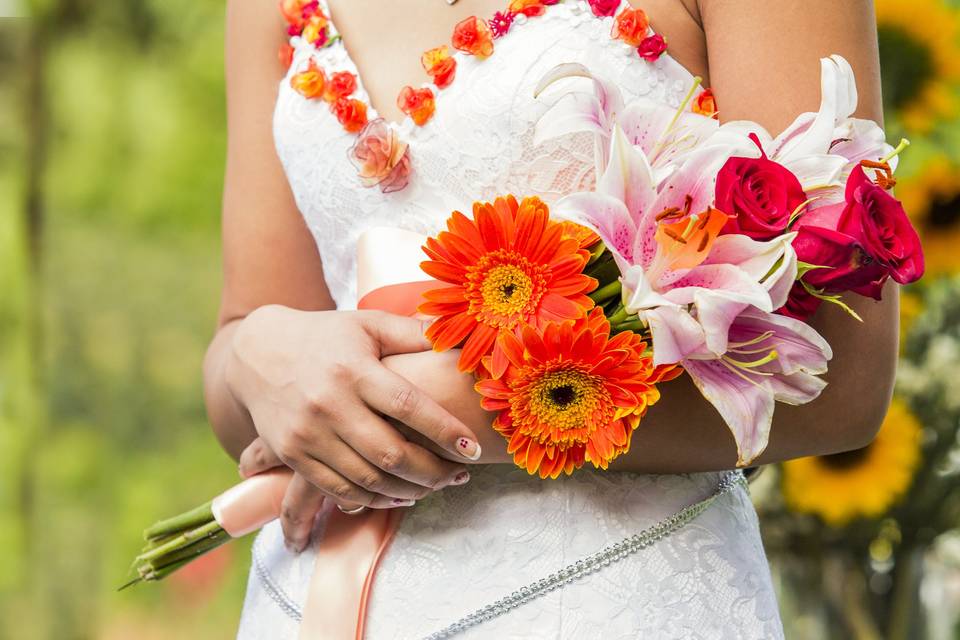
[[479, 144], [464, 547]]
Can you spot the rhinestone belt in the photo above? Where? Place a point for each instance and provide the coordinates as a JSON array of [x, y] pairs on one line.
[[582, 567]]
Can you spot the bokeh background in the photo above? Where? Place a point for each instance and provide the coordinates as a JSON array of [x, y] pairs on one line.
[[111, 161]]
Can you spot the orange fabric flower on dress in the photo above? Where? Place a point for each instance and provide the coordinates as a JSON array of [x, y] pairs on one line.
[[285, 55], [474, 36], [439, 65], [528, 8], [569, 393], [316, 31], [419, 104], [509, 265], [342, 84], [296, 12], [310, 82], [380, 157], [631, 25], [705, 104], [351, 113]]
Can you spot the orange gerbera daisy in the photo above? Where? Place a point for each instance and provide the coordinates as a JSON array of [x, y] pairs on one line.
[[569, 393], [510, 264]]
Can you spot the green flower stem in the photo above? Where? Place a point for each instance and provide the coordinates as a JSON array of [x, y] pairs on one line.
[[619, 316], [606, 292], [182, 540], [630, 325], [177, 524], [191, 551]]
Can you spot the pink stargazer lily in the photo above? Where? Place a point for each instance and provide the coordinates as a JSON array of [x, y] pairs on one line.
[[707, 298]]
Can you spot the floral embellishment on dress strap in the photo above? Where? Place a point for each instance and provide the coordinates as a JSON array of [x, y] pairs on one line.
[[705, 104], [439, 65], [311, 82], [473, 36], [631, 26], [652, 47], [351, 113], [500, 23], [342, 84], [419, 104], [604, 8]]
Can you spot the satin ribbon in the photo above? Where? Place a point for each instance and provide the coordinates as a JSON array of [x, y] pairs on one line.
[[388, 278]]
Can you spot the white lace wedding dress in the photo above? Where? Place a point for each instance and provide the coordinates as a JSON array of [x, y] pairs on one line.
[[464, 547]]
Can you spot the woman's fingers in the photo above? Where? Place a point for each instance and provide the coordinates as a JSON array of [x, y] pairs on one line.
[[394, 333], [343, 491], [300, 505], [364, 474], [383, 446], [257, 458], [393, 395]]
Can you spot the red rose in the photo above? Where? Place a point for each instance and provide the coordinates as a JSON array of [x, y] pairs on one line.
[[604, 8], [878, 222], [801, 304], [843, 264], [652, 47], [758, 194]]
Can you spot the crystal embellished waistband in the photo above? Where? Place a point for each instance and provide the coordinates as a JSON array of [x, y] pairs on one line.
[[579, 568]]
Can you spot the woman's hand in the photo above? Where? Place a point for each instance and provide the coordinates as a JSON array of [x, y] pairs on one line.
[[454, 391], [315, 389]]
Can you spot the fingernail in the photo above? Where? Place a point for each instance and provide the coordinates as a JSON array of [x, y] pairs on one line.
[[402, 502], [461, 477], [468, 448]]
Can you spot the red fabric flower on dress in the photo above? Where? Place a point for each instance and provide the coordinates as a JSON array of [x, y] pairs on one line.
[[473, 36], [500, 23], [705, 104], [652, 47], [509, 265], [630, 25], [351, 113], [342, 84], [297, 12], [439, 65], [310, 82], [569, 393], [419, 104], [604, 8], [380, 157]]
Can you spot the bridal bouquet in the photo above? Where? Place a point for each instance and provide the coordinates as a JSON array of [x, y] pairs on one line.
[[702, 248]]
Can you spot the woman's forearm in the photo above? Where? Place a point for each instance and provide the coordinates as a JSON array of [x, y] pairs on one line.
[[230, 421], [683, 433]]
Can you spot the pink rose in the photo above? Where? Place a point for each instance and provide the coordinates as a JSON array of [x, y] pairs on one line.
[[380, 157], [652, 47], [604, 8], [879, 223], [758, 194]]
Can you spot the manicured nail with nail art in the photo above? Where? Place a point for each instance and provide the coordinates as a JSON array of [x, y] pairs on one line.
[[460, 478], [402, 502], [468, 448]]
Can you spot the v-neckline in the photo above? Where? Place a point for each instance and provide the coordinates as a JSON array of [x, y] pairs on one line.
[[406, 124]]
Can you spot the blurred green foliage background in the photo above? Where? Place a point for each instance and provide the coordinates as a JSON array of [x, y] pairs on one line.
[[112, 139]]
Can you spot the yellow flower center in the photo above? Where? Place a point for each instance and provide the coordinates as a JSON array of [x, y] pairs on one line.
[[563, 404], [504, 288]]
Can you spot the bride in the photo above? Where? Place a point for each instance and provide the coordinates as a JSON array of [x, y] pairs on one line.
[[369, 417]]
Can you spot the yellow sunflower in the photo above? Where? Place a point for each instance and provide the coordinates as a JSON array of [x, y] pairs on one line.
[[931, 198], [865, 482], [920, 59]]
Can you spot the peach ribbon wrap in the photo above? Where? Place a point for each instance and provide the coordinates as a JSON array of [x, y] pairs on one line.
[[388, 278]]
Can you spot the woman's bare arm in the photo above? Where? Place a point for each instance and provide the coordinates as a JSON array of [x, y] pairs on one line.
[[269, 256], [763, 66]]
